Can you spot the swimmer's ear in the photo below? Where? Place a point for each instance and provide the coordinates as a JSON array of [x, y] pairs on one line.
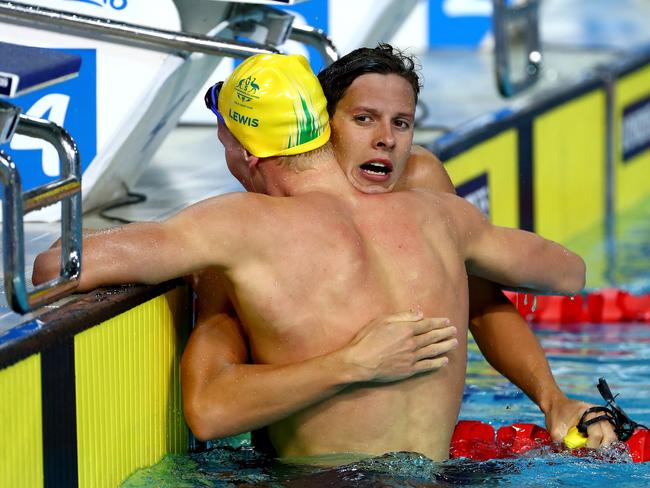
[[250, 159]]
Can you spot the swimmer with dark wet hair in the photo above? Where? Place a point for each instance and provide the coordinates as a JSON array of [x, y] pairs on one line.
[[318, 273], [354, 86]]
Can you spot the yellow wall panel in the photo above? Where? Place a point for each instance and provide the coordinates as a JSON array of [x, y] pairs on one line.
[[21, 441], [569, 161], [498, 158], [129, 410], [632, 177]]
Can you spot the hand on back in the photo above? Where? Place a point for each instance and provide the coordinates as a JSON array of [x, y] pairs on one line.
[[399, 346]]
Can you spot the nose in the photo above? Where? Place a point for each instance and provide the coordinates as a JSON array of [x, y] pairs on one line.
[[384, 137]]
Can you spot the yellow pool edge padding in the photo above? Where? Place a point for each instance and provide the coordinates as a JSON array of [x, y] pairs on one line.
[[560, 153], [631, 176], [569, 166], [21, 442], [496, 160], [129, 411], [118, 399], [569, 173]]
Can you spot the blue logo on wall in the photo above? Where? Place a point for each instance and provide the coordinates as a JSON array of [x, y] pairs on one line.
[[476, 192], [636, 129], [71, 104], [114, 4]]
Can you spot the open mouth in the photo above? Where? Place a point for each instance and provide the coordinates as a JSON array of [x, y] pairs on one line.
[[376, 170]]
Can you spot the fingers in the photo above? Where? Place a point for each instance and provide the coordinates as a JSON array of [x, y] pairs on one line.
[[428, 365], [601, 434], [436, 349], [435, 335], [428, 324]]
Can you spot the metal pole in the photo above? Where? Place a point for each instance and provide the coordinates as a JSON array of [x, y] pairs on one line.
[[157, 39]]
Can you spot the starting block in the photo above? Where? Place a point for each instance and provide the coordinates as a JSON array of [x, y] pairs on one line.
[[23, 69]]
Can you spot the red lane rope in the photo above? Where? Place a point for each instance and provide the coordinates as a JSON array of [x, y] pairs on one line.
[[478, 441], [604, 306]]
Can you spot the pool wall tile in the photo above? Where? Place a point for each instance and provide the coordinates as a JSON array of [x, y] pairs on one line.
[[21, 441], [128, 391]]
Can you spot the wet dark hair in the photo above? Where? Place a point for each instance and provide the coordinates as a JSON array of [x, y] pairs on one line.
[[383, 59]]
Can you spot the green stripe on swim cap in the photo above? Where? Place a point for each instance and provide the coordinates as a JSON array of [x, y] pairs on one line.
[[308, 129]]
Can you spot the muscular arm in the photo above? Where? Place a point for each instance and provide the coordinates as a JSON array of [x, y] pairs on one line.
[[514, 257], [222, 395], [502, 335], [153, 252]]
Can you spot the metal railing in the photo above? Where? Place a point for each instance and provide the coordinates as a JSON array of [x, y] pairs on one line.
[[516, 26], [125, 33], [15, 204], [160, 39]]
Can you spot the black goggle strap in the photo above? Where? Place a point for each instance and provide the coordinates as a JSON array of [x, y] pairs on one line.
[[584, 424], [623, 425]]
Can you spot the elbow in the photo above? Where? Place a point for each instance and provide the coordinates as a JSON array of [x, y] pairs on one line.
[[197, 421], [575, 279], [199, 428], [206, 422]]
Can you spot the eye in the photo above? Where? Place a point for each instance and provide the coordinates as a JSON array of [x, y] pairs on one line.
[[402, 124], [362, 118]]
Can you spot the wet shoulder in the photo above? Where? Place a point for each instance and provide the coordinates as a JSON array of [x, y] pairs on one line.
[[424, 170]]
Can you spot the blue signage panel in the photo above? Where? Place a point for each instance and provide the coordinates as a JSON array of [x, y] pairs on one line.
[[71, 104], [316, 14], [461, 23], [476, 191], [636, 128]]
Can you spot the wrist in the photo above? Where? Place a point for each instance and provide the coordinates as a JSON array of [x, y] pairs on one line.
[[345, 369], [550, 400]]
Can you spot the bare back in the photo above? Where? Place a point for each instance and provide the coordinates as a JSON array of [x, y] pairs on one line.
[[325, 266]]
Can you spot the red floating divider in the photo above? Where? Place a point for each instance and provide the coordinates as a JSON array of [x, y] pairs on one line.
[[560, 309], [607, 305], [476, 440], [523, 302], [639, 445], [521, 438], [636, 307]]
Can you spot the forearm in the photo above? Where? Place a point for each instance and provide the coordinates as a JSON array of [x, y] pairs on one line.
[[146, 253], [509, 345], [520, 259], [244, 397], [98, 268]]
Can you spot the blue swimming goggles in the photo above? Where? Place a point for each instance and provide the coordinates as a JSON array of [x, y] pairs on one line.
[[211, 99]]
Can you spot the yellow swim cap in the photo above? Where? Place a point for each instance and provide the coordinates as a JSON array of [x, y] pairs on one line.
[[274, 105]]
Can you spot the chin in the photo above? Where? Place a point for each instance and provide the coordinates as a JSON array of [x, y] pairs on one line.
[[371, 187]]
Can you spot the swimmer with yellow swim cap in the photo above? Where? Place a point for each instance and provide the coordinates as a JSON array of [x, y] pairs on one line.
[[273, 105], [353, 85]]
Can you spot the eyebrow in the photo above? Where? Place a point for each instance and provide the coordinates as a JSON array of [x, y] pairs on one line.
[[373, 111]]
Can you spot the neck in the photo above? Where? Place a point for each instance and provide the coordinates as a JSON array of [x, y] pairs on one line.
[[323, 175]]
